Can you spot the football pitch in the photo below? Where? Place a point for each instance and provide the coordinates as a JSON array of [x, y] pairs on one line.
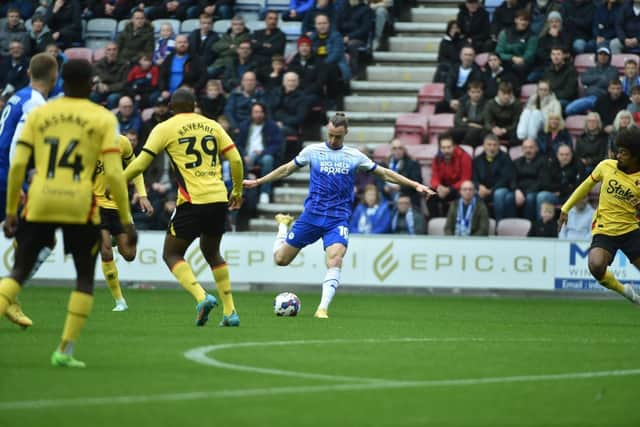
[[378, 361]]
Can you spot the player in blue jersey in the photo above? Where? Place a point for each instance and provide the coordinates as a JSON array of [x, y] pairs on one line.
[[327, 209], [43, 72]]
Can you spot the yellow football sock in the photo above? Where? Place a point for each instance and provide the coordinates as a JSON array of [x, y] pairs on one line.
[[182, 271], [221, 276], [110, 272], [9, 290], [610, 281], [78, 310]]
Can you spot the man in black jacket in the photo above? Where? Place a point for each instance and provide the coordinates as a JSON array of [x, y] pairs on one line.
[[609, 104], [531, 178], [243, 62], [312, 73], [193, 73], [355, 23], [459, 77], [288, 105], [566, 173], [562, 76], [268, 42], [492, 175], [201, 40], [473, 20]]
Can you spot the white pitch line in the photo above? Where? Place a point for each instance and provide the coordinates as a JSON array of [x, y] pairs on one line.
[[275, 391]]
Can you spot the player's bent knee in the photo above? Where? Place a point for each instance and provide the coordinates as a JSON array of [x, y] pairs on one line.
[[597, 269], [128, 255], [334, 261], [280, 259]]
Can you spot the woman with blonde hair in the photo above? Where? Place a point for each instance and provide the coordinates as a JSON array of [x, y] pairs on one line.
[[542, 103], [623, 120], [553, 135], [591, 146]]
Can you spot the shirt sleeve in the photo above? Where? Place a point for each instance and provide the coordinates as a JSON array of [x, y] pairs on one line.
[[225, 143], [365, 163], [303, 158], [110, 138], [26, 108], [155, 142]]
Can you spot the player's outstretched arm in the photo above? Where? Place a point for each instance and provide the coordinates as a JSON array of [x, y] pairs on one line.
[[275, 175], [139, 165], [391, 176], [237, 173], [16, 176]]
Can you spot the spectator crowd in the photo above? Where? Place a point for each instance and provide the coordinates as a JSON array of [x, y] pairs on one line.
[[511, 79]]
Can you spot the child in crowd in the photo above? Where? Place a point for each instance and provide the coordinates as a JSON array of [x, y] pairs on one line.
[[213, 101], [142, 81], [546, 225], [165, 44]]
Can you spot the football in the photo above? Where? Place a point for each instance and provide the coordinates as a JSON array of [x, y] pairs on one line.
[[286, 304]]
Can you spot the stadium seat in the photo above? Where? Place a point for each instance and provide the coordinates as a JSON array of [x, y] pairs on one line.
[[492, 227], [427, 109], [293, 29], [491, 6], [79, 53], [221, 25], [27, 24], [423, 153], [249, 9], [146, 114], [482, 59], [514, 227], [279, 5], [467, 149], [255, 25], [618, 60], [411, 127], [381, 153], [436, 226], [431, 93], [439, 123], [157, 23], [575, 124], [515, 152], [121, 24], [98, 54], [100, 30], [526, 91], [584, 61], [188, 25]]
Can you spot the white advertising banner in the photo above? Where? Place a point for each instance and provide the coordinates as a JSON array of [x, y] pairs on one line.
[[385, 260]]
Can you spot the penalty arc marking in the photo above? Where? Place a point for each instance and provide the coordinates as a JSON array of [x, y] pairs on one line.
[[362, 384]]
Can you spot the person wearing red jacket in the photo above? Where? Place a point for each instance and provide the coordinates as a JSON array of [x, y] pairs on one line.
[[142, 81], [450, 168]]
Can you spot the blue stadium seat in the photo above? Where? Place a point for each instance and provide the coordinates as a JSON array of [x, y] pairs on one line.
[[101, 28], [221, 26], [292, 29], [189, 25], [121, 24], [279, 5]]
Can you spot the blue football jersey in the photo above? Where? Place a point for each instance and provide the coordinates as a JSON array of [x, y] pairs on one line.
[[332, 179], [11, 122]]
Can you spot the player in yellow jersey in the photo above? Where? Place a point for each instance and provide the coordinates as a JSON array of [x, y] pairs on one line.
[[615, 225], [64, 138], [110, 224], [194, 145]]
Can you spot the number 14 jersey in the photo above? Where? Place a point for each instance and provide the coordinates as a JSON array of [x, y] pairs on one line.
[[194, 144], [66, 136]]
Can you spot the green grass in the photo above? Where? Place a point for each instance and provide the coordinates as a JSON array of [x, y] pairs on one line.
[[141, 353]]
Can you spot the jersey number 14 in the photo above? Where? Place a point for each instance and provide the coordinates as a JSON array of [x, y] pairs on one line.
[[65, 160]]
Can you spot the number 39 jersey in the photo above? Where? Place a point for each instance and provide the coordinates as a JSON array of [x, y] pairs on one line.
[[66, 136], [194, 144]]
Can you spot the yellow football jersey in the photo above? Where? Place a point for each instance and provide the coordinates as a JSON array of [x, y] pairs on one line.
[[194, 144], [66, 136], [616, 212], [100, 185]]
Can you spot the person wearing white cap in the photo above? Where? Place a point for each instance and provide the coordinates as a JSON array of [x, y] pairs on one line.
[[595, 81]]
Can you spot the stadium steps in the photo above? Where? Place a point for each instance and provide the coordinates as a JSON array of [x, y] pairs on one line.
[[367, 87], [404, 58], [433, 14], [366, 135], [407, 43], [400, 73], [270, 209], [373, 104], [294, 195], [361, 118], [435, 28]]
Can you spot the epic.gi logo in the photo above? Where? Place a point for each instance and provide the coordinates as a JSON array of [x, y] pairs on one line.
[[385, 263]]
